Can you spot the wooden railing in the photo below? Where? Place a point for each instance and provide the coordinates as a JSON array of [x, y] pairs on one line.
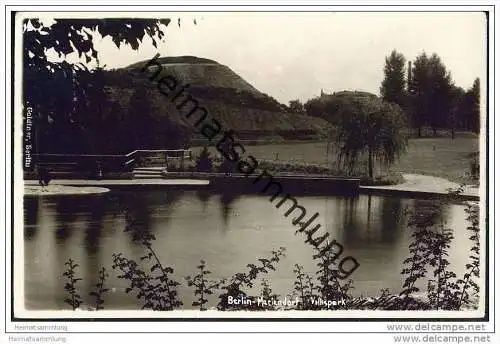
[[161, 156], [110, 162], [167, 151]]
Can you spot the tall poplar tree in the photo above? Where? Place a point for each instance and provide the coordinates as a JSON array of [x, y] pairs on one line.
[[431, 93], [419, 89], [393, 88], [441, 94], [470, 107]]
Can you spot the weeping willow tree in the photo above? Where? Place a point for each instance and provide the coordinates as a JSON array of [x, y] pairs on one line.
[[369, 126]]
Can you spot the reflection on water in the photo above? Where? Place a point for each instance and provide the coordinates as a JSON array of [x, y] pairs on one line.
[[227, 230], [30, 217]]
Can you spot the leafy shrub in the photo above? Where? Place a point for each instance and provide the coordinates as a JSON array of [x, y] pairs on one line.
[[203, 287], [155, 285], [295, 167], [428, 252], [387, 179], [277, 167], [227, 167], [469, 288], [304, 287], [234, 286], [204, 162], [100, 290], [74, 299]]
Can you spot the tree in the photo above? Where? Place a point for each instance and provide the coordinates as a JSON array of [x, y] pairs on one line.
[[418, 90], [372, 126], [393, 87], [328, 106], [92, 113], [148, 126], [456, 118], [430, 92], [140, 121], [66, 36], [296, 106], [440, 102], [57, 92], [471, 107]]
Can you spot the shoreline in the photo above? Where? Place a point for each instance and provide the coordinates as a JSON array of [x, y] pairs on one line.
[[415, 185]]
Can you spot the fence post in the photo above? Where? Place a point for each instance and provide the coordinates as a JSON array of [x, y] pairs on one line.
[[182, 160]]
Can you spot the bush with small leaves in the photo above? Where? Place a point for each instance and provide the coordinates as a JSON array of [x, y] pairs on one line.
[[203, 287], [232, 287], [468, 286], [204, 162], [441, 290], [415, 266], [74, 299], [227, 167], [157, 289], [303, 288], [100, 290], [429, 251], [330, 286], [268, 296]]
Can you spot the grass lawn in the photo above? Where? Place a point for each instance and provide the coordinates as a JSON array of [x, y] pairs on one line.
[[440, 156]]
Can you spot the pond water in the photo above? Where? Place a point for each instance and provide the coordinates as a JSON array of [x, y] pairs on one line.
[[227, 231]]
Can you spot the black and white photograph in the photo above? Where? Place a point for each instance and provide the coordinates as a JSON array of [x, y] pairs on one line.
[[250, 165]]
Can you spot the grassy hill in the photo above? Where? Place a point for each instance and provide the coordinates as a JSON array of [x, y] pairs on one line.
[[226, 96], [201, 72]]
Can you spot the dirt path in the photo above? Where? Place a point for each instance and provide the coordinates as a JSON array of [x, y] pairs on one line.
[[428, 184]]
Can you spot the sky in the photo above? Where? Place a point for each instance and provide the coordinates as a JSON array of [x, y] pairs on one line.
[[295, 55]]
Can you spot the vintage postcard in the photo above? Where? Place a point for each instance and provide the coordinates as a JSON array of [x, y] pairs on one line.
[[282, 165]]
